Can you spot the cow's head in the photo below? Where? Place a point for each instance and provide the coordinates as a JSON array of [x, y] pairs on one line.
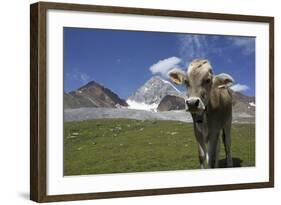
[[199, 80]]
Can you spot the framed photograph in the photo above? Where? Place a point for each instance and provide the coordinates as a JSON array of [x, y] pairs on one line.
[[134, 102]]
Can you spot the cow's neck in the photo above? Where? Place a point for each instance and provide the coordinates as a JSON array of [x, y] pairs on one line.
[[201, 118], [201, 124]]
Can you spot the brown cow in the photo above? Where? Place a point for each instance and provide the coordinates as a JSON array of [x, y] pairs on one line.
[[209, 100]]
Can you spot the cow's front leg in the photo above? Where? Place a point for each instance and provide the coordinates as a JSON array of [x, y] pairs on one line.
[[203, 155], [202, 150], [213, 150], [201, 133]]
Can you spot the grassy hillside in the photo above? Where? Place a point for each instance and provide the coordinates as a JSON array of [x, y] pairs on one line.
[[124, 145]]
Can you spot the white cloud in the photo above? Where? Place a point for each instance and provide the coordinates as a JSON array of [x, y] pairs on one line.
[[79, 76], [246, 44], [164, 66], [239, 88]]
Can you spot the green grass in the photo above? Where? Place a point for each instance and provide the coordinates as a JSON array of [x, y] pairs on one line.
[[124, 145]]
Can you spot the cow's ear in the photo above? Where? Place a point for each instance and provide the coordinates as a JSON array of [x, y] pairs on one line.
[[223, 80], [177, 76]]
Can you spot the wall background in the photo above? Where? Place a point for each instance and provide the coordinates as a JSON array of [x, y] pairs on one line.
[[14, 103]]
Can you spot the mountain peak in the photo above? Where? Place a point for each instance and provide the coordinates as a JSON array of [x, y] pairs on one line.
[[93, 95], [153, 91], [91, 83], [155, 78]]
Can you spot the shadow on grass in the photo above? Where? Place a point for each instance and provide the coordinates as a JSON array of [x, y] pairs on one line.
[[237, 162]]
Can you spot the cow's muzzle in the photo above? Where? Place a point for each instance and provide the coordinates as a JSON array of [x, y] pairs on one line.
[[194, 105]]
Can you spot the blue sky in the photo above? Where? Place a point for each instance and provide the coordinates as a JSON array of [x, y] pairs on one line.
[[124, 60]]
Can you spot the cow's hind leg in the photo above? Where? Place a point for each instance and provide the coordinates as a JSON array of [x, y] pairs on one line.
[[226, 137], [217, 153]]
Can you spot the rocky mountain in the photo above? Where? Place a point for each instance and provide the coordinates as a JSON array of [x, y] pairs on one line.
[[94, 101], [171, 102], [156, 94], [92, 95], [152, 92], [241, 104]]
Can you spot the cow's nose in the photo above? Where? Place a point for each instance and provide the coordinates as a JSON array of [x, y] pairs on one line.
[[192, 103], [196, 103]]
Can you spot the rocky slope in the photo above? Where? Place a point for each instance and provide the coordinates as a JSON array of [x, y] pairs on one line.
[[153, 91], [242, 104], [157, 95], [93, 95], [171, 102]]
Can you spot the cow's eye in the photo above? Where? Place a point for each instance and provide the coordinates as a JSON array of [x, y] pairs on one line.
[[187, 83], [207, 81]]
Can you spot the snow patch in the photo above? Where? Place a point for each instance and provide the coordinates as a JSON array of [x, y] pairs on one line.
[[141, 106], [252, 104]]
